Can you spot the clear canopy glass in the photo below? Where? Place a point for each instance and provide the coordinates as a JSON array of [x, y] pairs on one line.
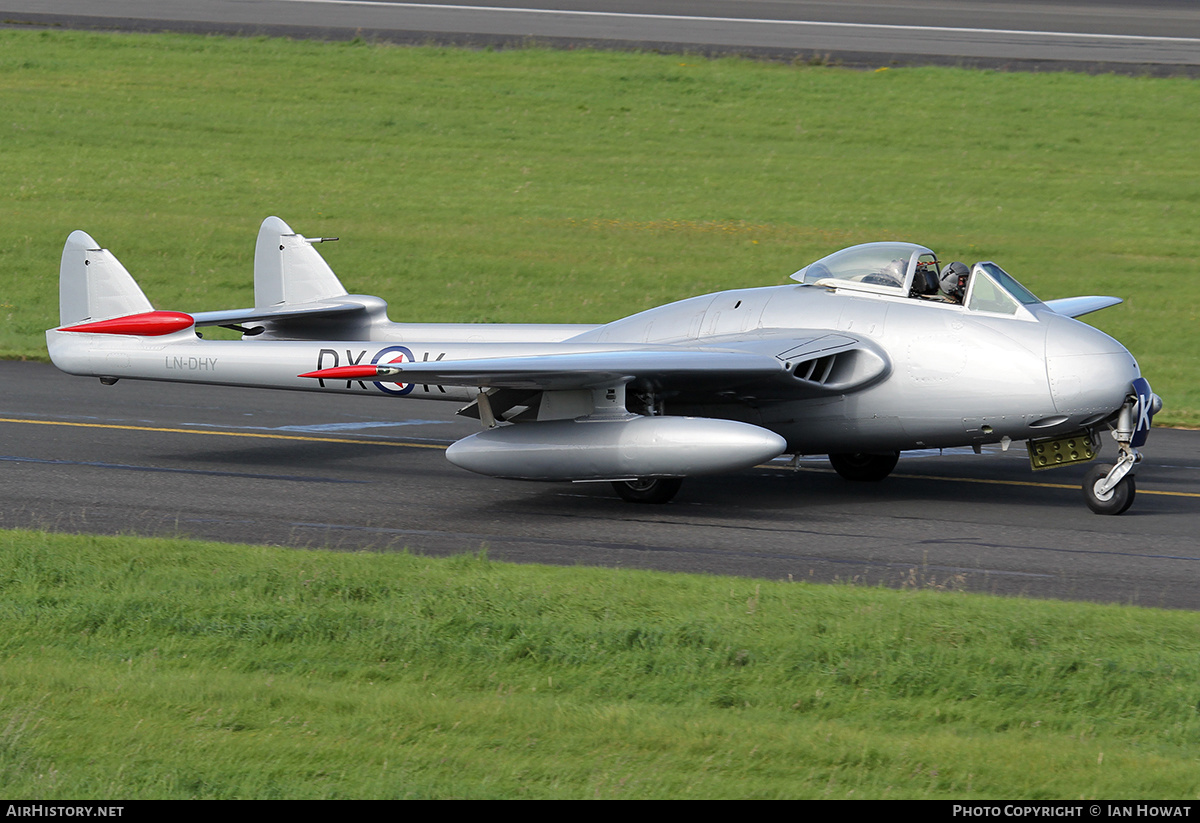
[[887, 267], [911, 270]]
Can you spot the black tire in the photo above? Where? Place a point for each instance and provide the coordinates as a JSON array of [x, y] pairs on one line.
[[1118, 499], [649, 489], [864, 468]]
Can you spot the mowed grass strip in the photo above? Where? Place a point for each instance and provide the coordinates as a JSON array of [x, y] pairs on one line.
[[543, 186], [134, 667]]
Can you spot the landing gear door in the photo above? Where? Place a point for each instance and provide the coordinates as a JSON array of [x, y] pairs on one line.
[[1143, 412]]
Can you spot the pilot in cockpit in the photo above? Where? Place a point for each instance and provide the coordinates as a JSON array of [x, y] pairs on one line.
[[954, 281]]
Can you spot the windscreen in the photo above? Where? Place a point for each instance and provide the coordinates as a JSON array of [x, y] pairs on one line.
[[994, 290]]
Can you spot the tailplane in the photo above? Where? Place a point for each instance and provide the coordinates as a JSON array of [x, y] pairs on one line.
[[93, 285], [296, 295]]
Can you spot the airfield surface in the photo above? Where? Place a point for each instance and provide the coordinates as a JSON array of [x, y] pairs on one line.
[[310, 470]]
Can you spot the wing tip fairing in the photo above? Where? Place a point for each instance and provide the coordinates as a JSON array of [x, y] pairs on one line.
[[366, 372], [144, 324]]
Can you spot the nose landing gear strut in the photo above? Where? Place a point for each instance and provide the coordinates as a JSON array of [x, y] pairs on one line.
[[1110, 489]]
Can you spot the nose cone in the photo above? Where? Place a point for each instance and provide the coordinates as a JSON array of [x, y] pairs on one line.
[[1089, 372]]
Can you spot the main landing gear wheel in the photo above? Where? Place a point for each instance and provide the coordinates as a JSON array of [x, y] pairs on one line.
[[649, 489], [869, 468], [1116, 500]]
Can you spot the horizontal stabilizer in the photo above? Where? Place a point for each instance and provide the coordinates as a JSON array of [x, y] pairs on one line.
[[1079, 306], [286, 312]]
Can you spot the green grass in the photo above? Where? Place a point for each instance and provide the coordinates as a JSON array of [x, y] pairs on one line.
[[151, 668], [533, 185]]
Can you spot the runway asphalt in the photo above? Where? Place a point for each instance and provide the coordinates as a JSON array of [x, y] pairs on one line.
[[329, 472], [1155, 36]]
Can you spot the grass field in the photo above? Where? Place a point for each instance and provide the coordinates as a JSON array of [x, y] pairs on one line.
[[152, 668], [534, 185]]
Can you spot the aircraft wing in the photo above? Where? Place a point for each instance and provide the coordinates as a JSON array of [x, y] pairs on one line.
[[812, 363], [1079, 306], [691, 368]]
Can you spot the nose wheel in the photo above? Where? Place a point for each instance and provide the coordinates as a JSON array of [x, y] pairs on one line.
[[1104, 497]]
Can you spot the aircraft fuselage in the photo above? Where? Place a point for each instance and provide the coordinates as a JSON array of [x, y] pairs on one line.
[[946, 376]]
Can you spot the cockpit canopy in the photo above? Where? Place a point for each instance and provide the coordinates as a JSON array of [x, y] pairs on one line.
[[912, 271]]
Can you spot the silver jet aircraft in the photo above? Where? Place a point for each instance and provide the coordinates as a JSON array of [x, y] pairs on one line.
[[874, 349]]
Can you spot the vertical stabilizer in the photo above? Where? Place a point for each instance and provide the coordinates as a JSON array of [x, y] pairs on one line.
[[287, 269], [93, 285]]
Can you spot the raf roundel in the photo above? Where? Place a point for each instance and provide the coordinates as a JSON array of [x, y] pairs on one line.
[[393, 354]]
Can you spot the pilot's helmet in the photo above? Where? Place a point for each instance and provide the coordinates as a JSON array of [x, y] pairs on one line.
[[954, 279]]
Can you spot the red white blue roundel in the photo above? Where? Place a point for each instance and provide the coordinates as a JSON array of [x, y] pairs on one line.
[[393, 354]]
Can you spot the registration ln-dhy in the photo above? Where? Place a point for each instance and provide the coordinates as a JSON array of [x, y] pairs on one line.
[[873, 350]]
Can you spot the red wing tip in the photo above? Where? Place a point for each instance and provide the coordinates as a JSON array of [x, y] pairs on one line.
[[146, 324], [343, 373]]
